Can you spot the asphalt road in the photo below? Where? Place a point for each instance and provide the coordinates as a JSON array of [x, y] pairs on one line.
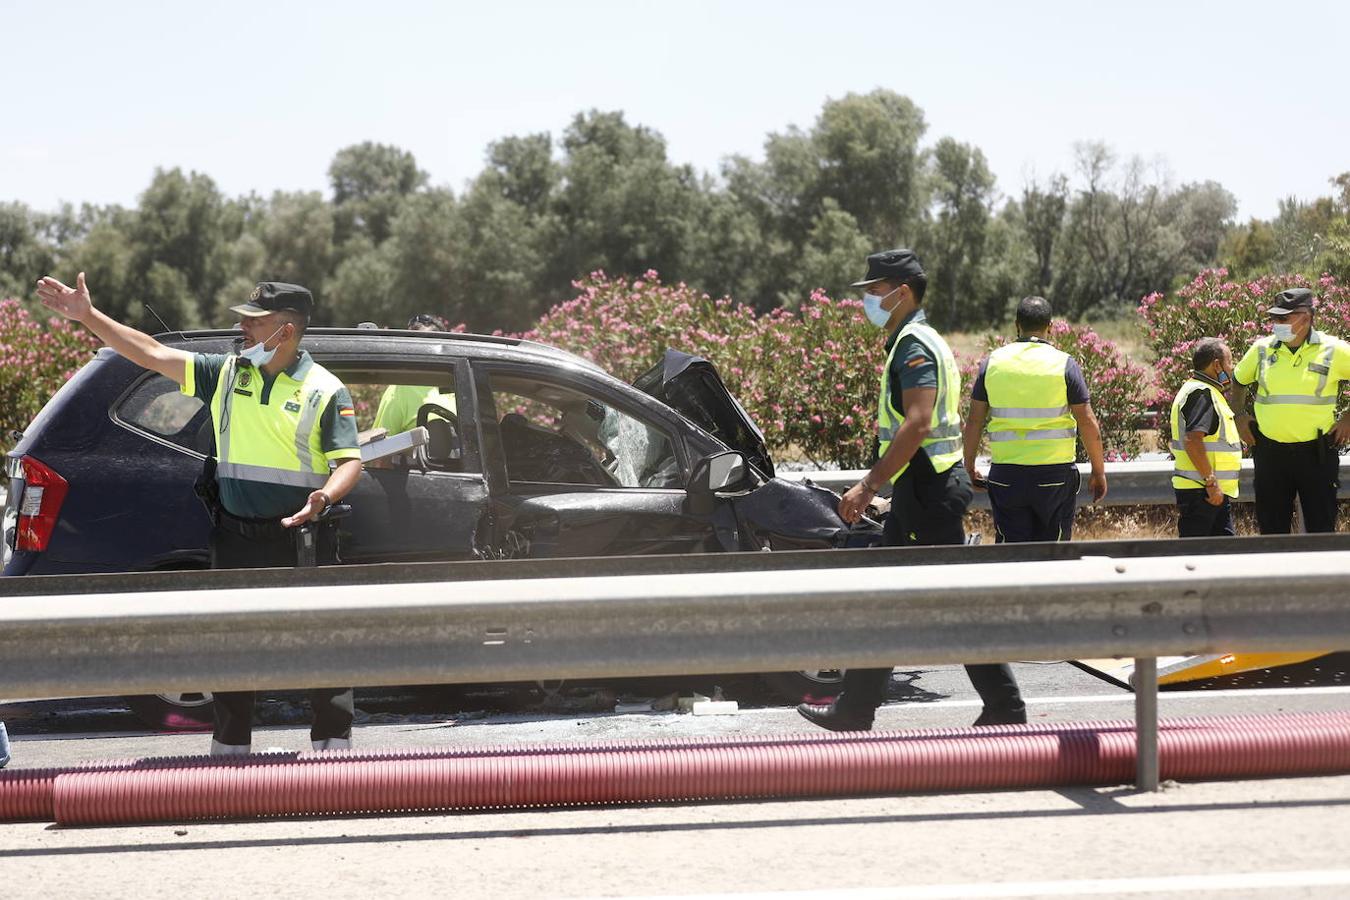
[[1275, 838]]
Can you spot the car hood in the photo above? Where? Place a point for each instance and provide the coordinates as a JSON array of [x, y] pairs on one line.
[[691, 386]]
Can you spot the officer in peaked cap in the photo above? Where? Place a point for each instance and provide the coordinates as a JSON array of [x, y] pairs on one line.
[[1294, 375], [920, 456], [286, 448]]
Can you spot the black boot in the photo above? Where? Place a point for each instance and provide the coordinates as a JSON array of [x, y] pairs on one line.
[[837, 718], [1001, 717]]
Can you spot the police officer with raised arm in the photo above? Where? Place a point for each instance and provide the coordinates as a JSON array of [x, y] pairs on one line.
[[286, 446], [919, 431], [1294, 376], [1036, 403], [1205, 444]]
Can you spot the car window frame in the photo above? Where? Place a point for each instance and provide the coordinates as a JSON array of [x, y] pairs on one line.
[[640, 406], [114, 413], [474, 464]]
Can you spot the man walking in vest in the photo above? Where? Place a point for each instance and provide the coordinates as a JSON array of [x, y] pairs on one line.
[[1205, 444], [1296, 376], [1037, 403], [279, 420], [919, 431]]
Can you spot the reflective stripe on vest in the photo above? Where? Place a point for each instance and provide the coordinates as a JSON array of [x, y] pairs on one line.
[[278, 443], [1222, 448], [1030, 423], [943, 443], [1295, 401]]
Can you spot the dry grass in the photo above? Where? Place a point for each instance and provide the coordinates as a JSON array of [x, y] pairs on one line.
[[1111, 523]]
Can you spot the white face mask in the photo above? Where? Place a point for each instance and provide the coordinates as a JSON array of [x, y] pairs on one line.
[[872, 308], [1284, 332], [258, 355]]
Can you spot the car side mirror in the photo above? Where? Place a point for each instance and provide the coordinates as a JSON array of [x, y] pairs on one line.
[[443, 441], [723, 471]]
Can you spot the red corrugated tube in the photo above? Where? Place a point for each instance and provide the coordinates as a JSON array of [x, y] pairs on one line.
[[680, 769]]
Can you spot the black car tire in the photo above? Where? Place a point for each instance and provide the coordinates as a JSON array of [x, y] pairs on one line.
[[815, 686], [173, 712]]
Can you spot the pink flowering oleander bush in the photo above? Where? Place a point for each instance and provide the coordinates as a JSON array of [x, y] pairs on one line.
[[817, 373], [1119, 386], [625, 326], [1213, 305], [36, 358], [808, 379]]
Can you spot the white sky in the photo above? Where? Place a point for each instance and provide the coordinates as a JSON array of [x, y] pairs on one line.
[[260, 95]]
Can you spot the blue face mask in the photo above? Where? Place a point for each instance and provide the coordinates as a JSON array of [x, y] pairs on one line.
[[258, 355], [872, 308], [1284, 333], [1223, 377]]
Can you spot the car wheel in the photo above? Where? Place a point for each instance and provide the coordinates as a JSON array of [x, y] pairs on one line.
[[811, 686], [173, 712]]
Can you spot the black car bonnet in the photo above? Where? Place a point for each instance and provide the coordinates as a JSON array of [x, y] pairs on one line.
[[691, 386]]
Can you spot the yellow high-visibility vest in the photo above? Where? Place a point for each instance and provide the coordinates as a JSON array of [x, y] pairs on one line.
[[1222, 448], [1029, 419], [943, 443], [1295, 389], [276, 443]]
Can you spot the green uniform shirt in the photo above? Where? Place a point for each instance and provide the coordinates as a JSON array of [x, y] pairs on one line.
[[255, 499]]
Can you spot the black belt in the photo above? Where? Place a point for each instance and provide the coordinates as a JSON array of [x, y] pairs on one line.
[[255, 529]]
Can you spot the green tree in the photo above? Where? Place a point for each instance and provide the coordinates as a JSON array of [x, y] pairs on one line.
[[1041, 212], [622, 207], [24, 255], [370, 182], [829, 258], [179, 226], [868, 159], [962, 192], [297, 239]]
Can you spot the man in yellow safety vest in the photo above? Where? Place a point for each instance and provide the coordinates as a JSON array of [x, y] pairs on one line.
[[1036, 403], [286, 449], [919, 450], [1205, 444], [1295, 375]]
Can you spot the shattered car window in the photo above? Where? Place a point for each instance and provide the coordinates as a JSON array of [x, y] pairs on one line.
[[552, 433]]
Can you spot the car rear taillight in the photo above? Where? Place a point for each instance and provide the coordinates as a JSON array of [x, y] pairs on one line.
[[40, 504]]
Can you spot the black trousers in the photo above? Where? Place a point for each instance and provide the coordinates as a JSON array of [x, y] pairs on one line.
[[1309, 470], [1200, 518], [1033, 503], [333, 708], [928, 508]]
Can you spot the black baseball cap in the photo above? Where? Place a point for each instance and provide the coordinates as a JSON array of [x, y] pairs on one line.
[[1290, 300], [890, 265], [274, 296]]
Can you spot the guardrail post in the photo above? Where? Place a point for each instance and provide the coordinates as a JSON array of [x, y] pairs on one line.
[[1146, 723]]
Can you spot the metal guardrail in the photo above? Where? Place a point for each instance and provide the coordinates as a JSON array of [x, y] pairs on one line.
[[714, 621], [1134, 483], [60, 644]]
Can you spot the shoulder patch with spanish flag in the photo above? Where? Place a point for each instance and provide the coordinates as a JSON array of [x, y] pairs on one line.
[[346, 411], [916, 361]]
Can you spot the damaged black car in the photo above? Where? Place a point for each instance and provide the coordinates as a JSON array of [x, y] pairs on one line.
[[516, 450]]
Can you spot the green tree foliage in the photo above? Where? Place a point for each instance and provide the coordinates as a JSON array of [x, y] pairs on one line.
[[370, 182], [605, 195], [179, 239], [25, 246], [956, 237]]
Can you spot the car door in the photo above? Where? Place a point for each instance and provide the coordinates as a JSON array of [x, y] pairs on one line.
[[423, 506], [582, 468]]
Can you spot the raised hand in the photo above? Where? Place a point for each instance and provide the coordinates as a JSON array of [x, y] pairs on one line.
[[71, 302]]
